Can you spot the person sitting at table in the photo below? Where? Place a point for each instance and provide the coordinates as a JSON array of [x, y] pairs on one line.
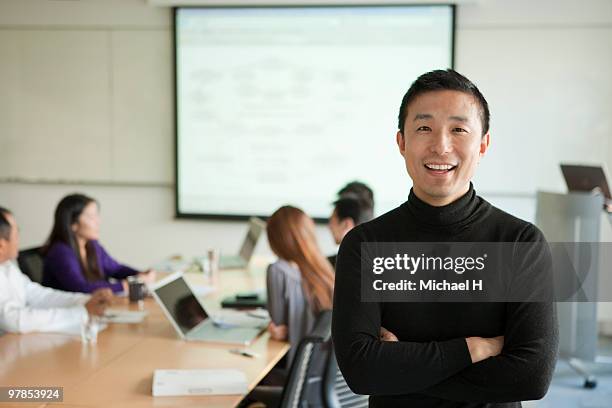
[[300, 283], [347, 214], [26, 306], [74, 259], [355, 205]]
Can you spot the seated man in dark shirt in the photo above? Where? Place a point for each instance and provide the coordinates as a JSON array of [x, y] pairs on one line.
[[442, 354], [355, 205]]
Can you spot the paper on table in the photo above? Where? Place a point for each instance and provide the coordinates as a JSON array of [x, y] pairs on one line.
[[241, 319], [176, 264], [199, 382], [202, 290], [124, 316]]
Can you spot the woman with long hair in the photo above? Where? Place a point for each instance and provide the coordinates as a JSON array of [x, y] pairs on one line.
[[74, 260], [300, 284]]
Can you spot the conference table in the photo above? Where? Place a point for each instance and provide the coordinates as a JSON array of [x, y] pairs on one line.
[[118, 370]]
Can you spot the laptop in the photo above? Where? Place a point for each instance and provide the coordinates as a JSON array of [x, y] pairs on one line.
[[191, 320], [587, 179], [241, 261]]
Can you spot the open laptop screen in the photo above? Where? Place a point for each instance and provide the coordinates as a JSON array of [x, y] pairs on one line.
[[586, 178], [182, 304], [256, 227]]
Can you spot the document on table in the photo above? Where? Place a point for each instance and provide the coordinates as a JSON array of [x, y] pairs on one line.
[[199, 382], [202, 290], [235, 318], [123, 316]]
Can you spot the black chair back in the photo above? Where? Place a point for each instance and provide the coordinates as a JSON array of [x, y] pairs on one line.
[[31, 263], [303, 386]]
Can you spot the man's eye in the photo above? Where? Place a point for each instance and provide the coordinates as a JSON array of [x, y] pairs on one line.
[[459, 130], [424, 128]]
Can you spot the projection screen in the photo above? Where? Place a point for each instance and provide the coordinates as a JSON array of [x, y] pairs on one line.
[[285, 105]]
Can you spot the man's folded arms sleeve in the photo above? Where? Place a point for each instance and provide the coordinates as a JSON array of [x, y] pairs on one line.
[[524, 369], [369, 365], [521, 372]]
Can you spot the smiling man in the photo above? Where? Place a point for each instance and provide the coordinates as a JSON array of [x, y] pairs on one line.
[[442, 354], [442, 142]]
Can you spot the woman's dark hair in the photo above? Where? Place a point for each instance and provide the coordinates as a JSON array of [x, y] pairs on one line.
[[444, 80], [66, 215]]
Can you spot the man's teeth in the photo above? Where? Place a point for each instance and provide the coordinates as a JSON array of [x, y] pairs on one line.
[[439, 166]]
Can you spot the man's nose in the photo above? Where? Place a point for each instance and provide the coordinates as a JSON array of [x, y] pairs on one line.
[[441, 143]]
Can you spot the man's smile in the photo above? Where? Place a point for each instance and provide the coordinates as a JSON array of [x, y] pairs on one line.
[[439, 168]]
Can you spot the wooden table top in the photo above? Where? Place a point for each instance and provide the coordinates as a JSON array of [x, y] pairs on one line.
[[118, 370]]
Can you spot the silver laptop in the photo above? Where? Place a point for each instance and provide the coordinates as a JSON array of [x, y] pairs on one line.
[[240, 261], [191, 320]]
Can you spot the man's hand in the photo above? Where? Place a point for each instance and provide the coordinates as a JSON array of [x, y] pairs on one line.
[[99, 301], [386, 335], [278, 332], [482, 348]]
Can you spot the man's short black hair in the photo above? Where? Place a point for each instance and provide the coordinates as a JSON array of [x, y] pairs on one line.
[[5, 227], [443, 80], [363, 194], [348, 207], [357, 189]]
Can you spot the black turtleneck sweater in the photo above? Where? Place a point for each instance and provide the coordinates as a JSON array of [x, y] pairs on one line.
[[430, 365]]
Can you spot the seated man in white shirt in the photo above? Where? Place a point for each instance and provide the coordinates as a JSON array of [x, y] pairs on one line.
[[26, 306]]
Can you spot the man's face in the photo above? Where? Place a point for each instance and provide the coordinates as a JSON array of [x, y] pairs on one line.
[[442, 144], [9, 249]]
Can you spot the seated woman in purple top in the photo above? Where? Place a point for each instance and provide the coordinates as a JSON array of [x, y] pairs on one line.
[[74, 260]]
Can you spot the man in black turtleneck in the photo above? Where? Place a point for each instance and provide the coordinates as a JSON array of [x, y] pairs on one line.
[[441, 354]]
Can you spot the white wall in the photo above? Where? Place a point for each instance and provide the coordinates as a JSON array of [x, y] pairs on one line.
[[96, 76], [544, 67], [91, 77]]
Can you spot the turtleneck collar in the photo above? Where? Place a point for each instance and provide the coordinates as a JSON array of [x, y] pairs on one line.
[[456, 213]]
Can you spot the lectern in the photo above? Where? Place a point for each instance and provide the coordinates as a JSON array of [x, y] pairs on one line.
[[575, 217]]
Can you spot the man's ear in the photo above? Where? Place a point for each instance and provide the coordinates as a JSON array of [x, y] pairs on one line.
[[399, 139], [348, 224], [485, 142], [3, 245]]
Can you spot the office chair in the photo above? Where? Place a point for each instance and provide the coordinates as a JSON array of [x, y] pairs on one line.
[[336, 392], [302, 388], [31, 263]]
